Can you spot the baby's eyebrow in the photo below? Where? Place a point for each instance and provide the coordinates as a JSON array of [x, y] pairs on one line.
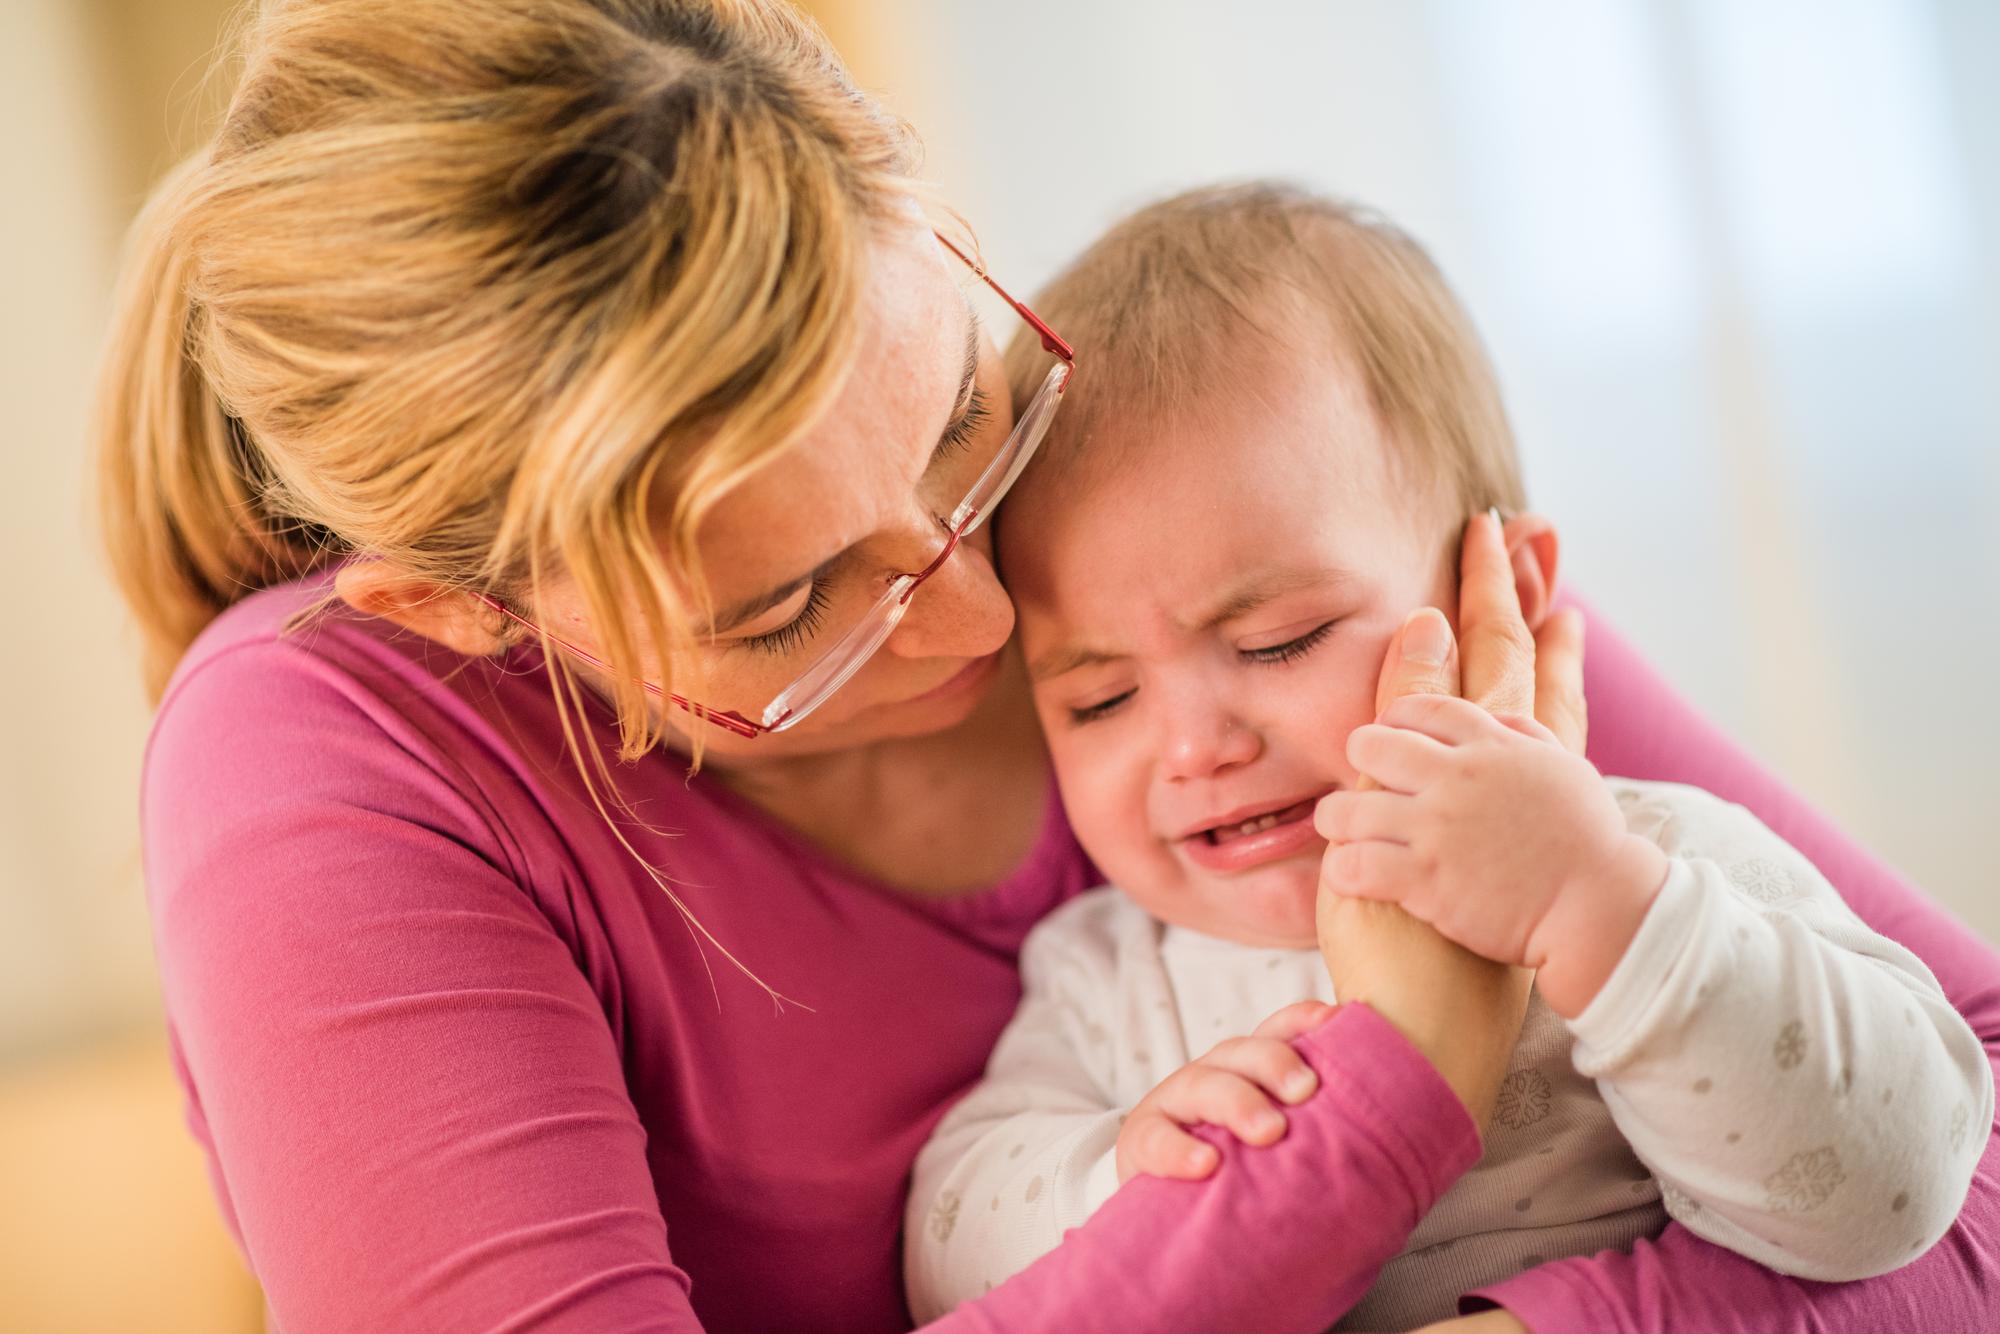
[[1266, 585], [1260, 587], [1067, 658]]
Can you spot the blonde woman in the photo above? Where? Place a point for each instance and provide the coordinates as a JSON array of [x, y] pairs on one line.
[[592, 809]]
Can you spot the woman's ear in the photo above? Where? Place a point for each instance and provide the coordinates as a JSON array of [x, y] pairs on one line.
[[1532, 547], [439, 613]]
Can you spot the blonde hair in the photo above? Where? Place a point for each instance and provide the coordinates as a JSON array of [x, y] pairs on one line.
[[1157, 304], [491, 289]]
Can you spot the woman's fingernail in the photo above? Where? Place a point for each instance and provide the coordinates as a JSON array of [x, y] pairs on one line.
[[1299, 1085], [1426, 638], [1268, 1124], [1201, 1158]]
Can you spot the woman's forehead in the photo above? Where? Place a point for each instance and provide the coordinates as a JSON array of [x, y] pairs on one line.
[[854, 470]]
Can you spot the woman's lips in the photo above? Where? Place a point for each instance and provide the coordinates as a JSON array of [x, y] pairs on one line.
[[965, 678], [1283, 833]]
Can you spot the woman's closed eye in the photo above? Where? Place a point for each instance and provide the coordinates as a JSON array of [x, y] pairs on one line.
[[787, 637], [797, 630], [978, 411]]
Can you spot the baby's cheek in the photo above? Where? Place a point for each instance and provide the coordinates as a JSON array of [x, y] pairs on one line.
[[1102, 809], [1324, 711]]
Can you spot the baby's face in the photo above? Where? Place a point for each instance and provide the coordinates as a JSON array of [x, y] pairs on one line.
[[1206, 625]]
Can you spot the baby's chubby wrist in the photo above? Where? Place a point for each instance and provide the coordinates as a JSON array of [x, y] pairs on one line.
[[1592, 922]]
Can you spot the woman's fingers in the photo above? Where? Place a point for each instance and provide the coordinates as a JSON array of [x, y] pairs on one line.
[[1422, 659], [1345, 817], [1297, 1018], [1559, 702], [1497, 653]]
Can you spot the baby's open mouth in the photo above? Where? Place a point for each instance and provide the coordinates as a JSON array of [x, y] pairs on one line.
[[1256, 824]]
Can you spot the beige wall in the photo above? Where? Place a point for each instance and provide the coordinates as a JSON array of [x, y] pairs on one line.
[[74, 955]]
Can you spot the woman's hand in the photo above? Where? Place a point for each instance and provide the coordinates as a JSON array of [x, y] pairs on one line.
[[1461, 1011], [1237, 1086]]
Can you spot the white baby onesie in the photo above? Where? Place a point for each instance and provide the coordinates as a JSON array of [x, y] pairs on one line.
[[1767, 1071]]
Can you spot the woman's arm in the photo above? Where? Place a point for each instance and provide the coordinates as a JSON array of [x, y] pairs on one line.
[[1641, 729], [417, 1112]]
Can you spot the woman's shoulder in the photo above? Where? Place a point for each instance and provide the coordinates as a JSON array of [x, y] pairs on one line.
[[293, 666], [292, 718]]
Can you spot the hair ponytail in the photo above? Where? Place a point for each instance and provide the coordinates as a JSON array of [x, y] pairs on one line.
[[177, 501]]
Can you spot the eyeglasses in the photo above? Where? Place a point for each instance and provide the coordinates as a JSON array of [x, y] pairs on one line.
[[847, 655]]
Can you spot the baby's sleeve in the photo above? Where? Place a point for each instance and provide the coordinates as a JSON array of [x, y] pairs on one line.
[[1029, 1153], [1799, 1085]]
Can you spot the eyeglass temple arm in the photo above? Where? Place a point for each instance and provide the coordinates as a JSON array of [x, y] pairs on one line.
[[729, 722], [1052, 342]]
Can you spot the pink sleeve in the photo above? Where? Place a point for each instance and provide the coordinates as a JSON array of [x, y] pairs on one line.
[[1677, 1282], [417, 1112], [1285, 1238]]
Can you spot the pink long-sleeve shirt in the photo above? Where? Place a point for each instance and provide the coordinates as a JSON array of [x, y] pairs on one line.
[[458, 1062]]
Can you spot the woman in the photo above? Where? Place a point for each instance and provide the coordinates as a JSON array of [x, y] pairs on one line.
[[505, 362]]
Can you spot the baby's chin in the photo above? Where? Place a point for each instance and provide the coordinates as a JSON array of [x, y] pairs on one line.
[[1269, 908]]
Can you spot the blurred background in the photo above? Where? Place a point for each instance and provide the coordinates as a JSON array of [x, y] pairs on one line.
[[1739, 264]]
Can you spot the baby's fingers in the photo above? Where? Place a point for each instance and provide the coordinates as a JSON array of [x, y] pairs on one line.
[[1206, 1092], [1397, 759], [1296, 1018], [1370, 869], [1343, 817], [1152, 1143], [1268, 1062]]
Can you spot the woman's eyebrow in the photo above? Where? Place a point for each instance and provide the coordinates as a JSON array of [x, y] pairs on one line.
[[965, 379], [735, 615], [731, 617]]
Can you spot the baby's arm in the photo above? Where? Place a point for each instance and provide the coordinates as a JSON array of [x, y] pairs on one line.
[[1857, 1093], [1800, 1085], [1022, 1158], [1043, 1140]]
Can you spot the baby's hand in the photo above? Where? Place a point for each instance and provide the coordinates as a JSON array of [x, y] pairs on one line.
[[1493, 833], [1231, 1087]]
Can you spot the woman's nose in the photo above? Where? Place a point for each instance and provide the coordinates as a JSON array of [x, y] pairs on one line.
[[1202, 739], [961, 611]]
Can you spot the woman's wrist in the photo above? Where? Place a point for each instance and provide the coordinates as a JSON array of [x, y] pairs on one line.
[[1461, 1012]]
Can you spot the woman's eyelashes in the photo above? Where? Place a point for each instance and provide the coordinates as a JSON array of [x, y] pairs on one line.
[[797, 630], [1289, 651], [978, 411]]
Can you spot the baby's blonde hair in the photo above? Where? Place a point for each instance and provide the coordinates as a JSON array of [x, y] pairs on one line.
[[492, 289], [1175, 296]]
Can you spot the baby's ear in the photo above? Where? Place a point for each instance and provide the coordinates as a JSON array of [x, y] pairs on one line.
[[1532, 547]]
